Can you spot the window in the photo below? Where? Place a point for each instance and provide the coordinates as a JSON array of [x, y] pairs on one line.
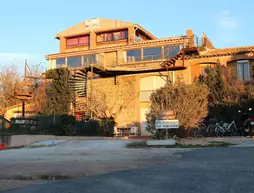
[[112, 36], [204, 68], [171, 50], [89, 59], [150, 84], [133, 55], [152, 53], [243, 70], [74, 41], [74, 62], [60, 62]]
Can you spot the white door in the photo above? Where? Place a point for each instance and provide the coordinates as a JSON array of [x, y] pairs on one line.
[[143, 112]]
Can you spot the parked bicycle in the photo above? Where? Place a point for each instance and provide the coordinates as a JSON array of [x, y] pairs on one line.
[[199, 131], [225, 129], [243, 126]]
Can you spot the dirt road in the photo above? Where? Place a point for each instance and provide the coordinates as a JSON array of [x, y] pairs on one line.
[[75, 158]]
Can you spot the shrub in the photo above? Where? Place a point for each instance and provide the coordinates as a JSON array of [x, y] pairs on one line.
[[90, 128], [106, 127], [227, 93], [189, 103]]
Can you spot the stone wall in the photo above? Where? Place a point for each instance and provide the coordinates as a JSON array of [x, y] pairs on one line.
[[118, 100]]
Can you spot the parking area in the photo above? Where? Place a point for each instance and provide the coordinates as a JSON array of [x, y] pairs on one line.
[[75, 158], [78, 157]]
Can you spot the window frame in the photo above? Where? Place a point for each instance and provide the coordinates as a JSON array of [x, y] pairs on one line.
[[241, 64], [72, 57], [148, 57], [58, 65], [78, 44], [112, 36]]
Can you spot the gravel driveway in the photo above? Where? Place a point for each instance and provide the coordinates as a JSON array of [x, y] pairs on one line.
[[76, 158], [209, 170]]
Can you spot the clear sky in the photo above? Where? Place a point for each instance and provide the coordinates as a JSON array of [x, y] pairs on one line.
[[28, 27]]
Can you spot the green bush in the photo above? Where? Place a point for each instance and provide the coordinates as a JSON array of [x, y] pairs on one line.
[[90, 128], [227, 94], [106, 127], [189, 103]]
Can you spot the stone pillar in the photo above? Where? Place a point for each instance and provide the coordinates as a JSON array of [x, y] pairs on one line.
[[62, 44], [190, 34], [92, 40]]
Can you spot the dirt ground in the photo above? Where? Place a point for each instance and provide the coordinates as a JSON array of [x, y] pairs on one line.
[[19, 167], [74, 158]]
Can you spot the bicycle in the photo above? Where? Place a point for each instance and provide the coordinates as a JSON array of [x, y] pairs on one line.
[[199, 131], [225, 128]]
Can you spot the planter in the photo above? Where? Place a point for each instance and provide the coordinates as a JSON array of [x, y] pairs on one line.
[[161, 142]]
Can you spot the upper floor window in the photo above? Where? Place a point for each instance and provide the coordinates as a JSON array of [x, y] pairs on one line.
[[74, 41], [243, 70], [60, 62], [90, 59], [171, 50], [112, 36], [152, 53], [74, 62], [133, 55]]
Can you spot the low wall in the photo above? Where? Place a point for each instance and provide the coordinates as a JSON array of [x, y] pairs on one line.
[[23, 140]]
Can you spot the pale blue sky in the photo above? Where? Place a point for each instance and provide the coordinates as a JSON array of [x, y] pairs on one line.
[[28, 27]]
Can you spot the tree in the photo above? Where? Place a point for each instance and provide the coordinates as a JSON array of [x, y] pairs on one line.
[[188, 102], [213, 78], [10, 82], [226, 92], [110, 102], [58, 92]]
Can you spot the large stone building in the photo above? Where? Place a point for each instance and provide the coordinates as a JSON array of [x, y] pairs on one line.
[[116, 66]]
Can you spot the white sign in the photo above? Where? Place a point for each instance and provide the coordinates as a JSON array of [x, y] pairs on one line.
[[167, 124], [92, 24]]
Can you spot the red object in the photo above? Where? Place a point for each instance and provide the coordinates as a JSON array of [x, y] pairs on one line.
[[2, 146], [252, 118]]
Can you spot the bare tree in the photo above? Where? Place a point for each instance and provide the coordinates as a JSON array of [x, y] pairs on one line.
[[13, 83], [110, 102], [10, 82]]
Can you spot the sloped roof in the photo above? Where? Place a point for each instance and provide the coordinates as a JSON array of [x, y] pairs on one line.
[[231, 50], [223, 52], [96, 24]]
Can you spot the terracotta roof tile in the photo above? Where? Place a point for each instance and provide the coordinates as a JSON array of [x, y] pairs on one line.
[[231, 50], [174, 40]]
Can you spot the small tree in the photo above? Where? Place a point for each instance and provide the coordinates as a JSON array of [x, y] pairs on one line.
[[58, 93], [108, 102], [226, 92], [10, 82], [189, 103], [213, 78]]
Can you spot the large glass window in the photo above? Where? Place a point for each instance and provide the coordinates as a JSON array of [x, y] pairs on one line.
[[112, 36], [243, 70], [60, 62], [152, 53], [74, 62], [73, 41], [133, 55], [89, 59], [171, 50], [150, 84]]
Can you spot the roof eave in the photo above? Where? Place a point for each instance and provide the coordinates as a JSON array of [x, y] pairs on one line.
[[145, 31]]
